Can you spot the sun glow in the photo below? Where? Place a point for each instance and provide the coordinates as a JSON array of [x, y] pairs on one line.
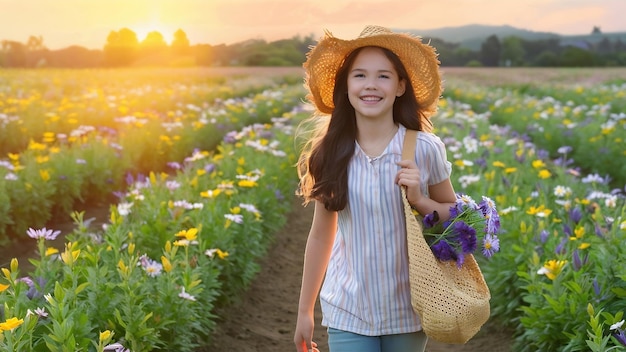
[[143, 29]]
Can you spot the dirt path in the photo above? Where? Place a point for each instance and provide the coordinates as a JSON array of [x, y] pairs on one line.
[[264, 320]]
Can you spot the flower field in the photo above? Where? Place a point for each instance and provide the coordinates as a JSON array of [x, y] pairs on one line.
[[199, 172]]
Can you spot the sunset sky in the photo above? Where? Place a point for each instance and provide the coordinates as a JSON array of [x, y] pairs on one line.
[[88, 22]]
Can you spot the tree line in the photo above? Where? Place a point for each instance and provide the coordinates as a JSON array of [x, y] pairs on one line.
[[123, 49]]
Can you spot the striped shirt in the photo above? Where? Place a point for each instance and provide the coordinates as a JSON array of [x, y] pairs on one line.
[[366, 288]]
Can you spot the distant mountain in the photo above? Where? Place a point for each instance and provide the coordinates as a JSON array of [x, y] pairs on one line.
[[473, 35], [477, 31]]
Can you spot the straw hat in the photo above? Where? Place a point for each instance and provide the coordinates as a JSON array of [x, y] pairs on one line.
[[419, 59]]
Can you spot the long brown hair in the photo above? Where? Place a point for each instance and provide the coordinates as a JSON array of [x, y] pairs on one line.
[[323, 164]]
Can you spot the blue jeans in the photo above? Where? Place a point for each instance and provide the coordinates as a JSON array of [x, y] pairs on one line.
[[343, 341]]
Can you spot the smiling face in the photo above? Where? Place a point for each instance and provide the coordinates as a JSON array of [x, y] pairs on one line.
[[373, 84]]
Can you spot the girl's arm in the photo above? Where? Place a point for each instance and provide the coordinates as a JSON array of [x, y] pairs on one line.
[[442, 195], [316, 256]]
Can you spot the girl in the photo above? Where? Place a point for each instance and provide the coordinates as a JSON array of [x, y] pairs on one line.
[[374, 87]]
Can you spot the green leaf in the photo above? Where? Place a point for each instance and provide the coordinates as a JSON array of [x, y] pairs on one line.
[[620, 292]]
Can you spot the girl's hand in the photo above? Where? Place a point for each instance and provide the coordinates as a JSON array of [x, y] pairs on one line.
[[303, 337], [409, 176]]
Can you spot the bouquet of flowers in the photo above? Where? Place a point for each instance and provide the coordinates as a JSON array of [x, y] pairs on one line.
[[469, 222]]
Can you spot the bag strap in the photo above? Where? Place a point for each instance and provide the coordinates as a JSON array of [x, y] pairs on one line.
[[408, 148], [408, 152]]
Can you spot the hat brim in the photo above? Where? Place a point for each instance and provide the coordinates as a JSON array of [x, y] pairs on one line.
[[419, 59]]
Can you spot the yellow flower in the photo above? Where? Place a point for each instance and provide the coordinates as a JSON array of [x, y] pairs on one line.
[[45, 175], [552, 268], [4, 287], [51, 250], [579, 231], [69, 256], [11, 324], [189, 235], [165, 139], [36, 146], [246, 183], [212, 193], [538, 164], [498, 164], [104, 335], [490, 176], [539, 211], [181, 243], [122, 266], [543, 174], [221, 254], [584, 245], [167, 265], [460, 163], [48, 137], [42, 159]]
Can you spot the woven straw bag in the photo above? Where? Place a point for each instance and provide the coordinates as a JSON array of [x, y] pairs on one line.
[[452, 303]]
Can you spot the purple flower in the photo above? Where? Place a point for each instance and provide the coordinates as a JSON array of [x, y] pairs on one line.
[[560, 248], [620, 336], [466, 236], [563, 162], [577, 262], [431, 220], [596, 287], [575, 214], [230, 137], [564, 149], [209, 168], [459, 234], [599, 232], [174, 165], [27, 280], [129, 179], [567, 230], [443, 251], [490, 213], [543, 236], [543, 154], [460, 260], [491, 244], [455, 211], [44, 233]]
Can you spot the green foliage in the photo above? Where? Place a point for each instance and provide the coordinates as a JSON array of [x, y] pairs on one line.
[[563, 229], [132, 126], [588, 120], [135, 281]]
